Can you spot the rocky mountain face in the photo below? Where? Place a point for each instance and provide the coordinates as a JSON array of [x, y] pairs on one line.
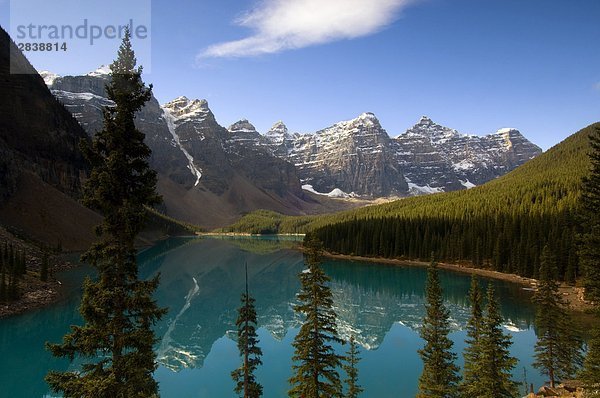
[[41, 166], [201, 165], [359, 157], [436, 158], [85, 97], [37, 134], [354, 156]]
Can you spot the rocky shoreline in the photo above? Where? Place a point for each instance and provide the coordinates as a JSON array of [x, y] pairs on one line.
[[34, 293]]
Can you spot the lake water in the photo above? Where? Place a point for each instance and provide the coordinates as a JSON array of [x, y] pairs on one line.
[[201, 283]]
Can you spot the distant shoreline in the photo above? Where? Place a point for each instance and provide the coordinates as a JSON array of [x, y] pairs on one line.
[[447, 266], [572, 294]]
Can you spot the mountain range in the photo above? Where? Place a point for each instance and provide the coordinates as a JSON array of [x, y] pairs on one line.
[[210, 175], [235, 170]]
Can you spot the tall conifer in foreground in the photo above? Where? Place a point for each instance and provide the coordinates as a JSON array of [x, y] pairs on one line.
[[472, 351], [116, 340], [558, 349], [316, 364], [351, 368], [246, 385], [495, 363], [589, 252], [440, 374]]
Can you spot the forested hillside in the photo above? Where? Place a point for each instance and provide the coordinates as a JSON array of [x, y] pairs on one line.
[[503, 224]]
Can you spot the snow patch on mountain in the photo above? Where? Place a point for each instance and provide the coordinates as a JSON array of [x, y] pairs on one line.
[[416, 190], [49, 77], [335, 193], [103, 70], [83, 97], [467, 184], [170, 119], [464, 164]]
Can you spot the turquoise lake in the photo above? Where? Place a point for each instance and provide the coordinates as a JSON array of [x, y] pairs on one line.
[[201, 283]]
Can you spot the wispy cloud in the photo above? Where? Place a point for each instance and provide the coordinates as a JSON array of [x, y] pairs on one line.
[[280, 25]]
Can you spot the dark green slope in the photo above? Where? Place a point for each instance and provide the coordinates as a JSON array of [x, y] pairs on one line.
[[503, 224]]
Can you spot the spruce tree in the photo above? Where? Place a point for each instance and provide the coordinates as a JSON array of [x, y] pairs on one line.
[[315, 362], [246, 385], [558, 349], [115, 343], [351, 367], [440, 373], [472, 351], [495, 363]]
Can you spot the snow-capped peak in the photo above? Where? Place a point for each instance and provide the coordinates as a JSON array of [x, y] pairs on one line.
[[507, 130], [508, 135], [183, 107], [278, 128], [103, 70], [49, 77], [367, 115], [437, 134], [366, 119], [425, 120], [242, 126]]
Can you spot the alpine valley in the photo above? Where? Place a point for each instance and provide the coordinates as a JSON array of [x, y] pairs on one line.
[[177, 213], [235, 170]]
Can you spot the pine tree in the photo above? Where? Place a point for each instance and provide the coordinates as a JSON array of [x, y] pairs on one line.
[[351, 367], [116, 341], [246, 384], [472, 352], [494, 363], [316, 364], [440, 373], [557, 350]]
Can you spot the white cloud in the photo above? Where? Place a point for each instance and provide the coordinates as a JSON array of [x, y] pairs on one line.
[[280, 25]]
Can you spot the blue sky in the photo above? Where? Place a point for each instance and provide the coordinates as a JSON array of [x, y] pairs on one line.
[[473, 65]]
